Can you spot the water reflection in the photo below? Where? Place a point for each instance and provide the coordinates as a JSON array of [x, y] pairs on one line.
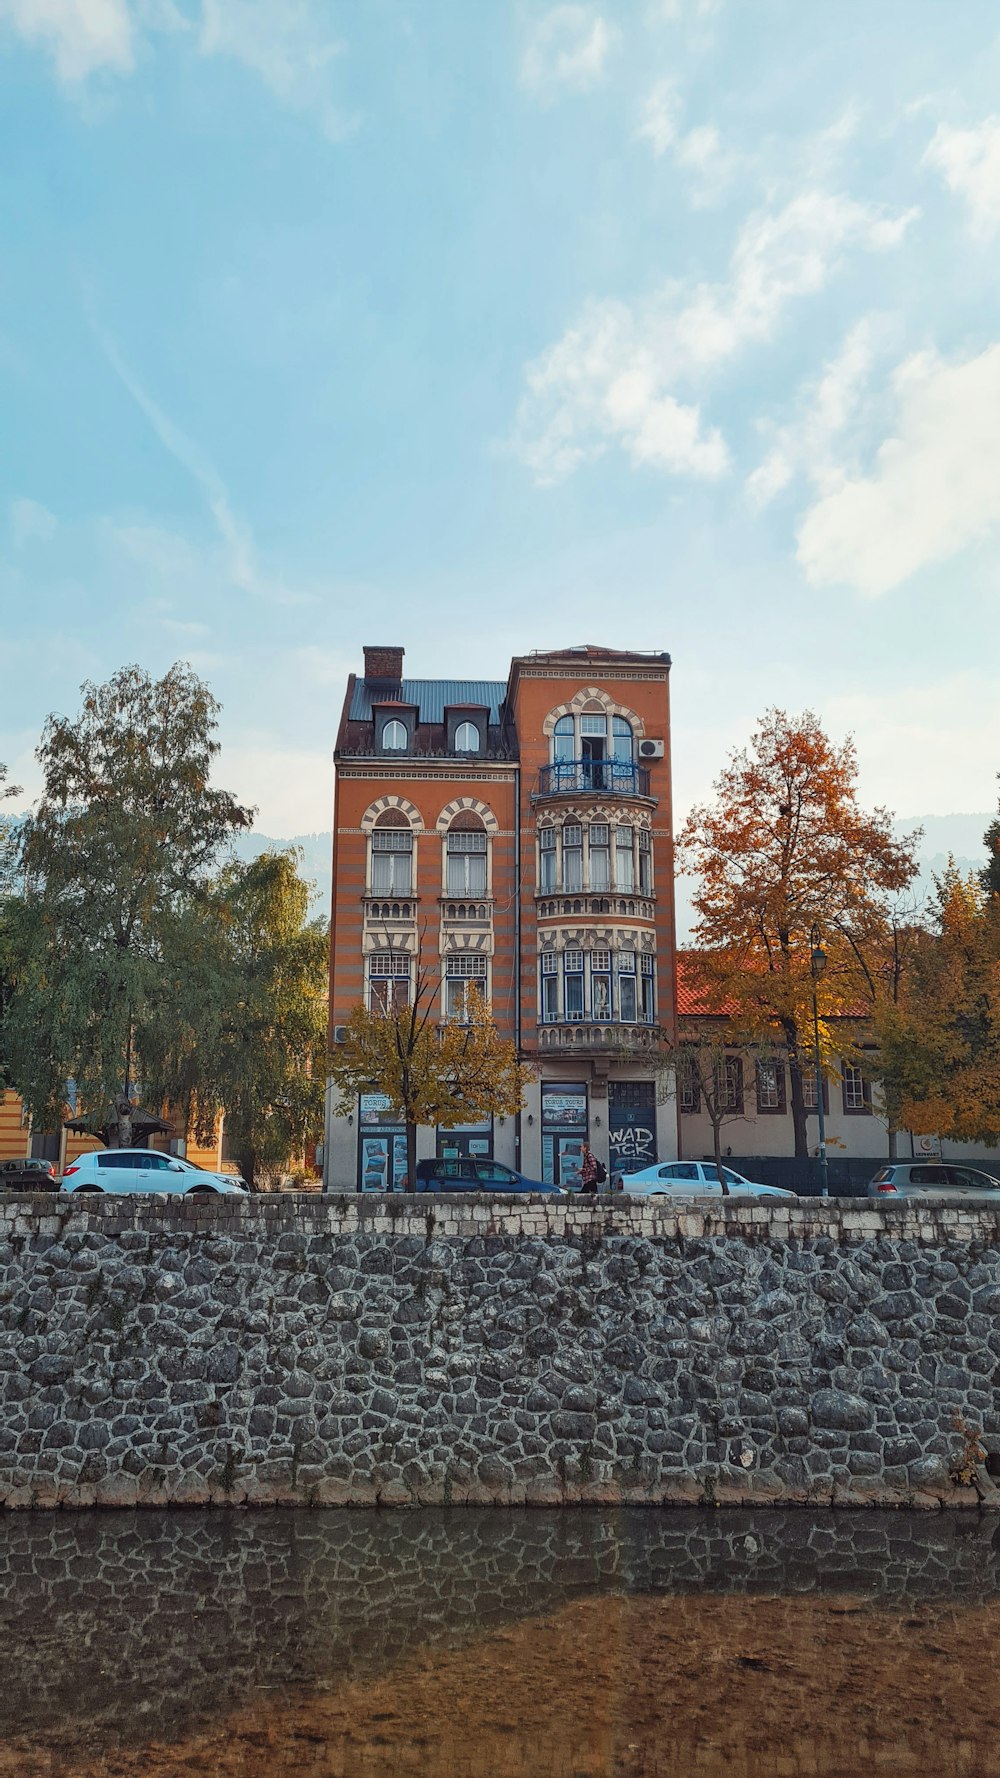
[[516, 1644]]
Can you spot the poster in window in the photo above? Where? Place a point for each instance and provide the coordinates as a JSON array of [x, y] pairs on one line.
[[564, 1107]]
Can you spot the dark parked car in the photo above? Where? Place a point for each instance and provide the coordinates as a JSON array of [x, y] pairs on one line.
[[28, 1176], [472, 1175]]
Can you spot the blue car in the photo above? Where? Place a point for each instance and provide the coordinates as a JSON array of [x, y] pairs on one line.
[[474, 1175]]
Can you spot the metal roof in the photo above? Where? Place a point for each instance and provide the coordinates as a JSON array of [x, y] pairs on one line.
[[431, 696]]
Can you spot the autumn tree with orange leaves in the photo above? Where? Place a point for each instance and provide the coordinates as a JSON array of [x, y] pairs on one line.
[[940, 1042], [784, 848], [441, 1074]]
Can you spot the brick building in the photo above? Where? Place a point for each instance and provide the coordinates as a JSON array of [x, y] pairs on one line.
[[519, 832]]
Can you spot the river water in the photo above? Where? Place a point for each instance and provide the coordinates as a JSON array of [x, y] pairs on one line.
[[507, 1644]]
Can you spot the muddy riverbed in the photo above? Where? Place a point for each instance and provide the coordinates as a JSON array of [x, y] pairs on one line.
[[511, 1644]]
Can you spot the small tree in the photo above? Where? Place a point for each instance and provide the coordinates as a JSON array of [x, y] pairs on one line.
[[783, 849], [702, 1059], [430, 1075]]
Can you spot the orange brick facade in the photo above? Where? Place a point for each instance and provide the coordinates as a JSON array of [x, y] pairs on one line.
[[447, 796]]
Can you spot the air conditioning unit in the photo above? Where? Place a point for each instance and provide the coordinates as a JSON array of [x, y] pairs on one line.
[[652, 749], [340, 1033]]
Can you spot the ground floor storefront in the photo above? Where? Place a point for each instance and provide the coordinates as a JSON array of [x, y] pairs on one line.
[[621, 1112]]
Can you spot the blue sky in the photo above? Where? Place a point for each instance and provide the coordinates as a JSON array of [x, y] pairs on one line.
[[479, 326]]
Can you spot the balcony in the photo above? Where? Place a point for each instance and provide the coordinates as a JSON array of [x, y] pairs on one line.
[[592, 777], [591, 1038]]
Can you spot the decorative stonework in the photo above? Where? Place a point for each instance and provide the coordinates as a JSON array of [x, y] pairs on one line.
[[382, 807], [592, 698], [468, 805], [359, 1349]]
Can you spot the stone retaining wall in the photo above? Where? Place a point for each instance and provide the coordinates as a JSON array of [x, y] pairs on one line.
[[367, 1350]]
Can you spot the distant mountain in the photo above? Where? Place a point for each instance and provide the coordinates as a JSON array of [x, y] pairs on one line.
[[316, 863], [960, 835]]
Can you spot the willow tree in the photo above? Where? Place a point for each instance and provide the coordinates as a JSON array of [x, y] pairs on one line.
[[244, 1031], [127, 831], [783, 852], [443, 1075]]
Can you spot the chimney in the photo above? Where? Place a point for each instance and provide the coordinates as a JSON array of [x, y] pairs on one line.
[[384, 663]]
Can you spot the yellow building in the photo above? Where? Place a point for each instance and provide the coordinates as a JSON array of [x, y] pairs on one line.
[[63, 1147]]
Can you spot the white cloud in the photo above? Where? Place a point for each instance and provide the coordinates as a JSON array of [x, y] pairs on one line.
[[826, 406], [30, 522], [969, 163], [82, 36], [566, 51], [286, 43], [930, 744], [934, 487], [676, 10], [605, 380], [611, 378], [658, 118]]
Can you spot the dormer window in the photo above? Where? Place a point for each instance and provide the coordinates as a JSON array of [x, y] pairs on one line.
[[394, 737], [466, 738]]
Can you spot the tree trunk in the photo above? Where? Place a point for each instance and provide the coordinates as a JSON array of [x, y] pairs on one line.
[[717, 1141], [800, 1128], [411, 1156], [893, 1142]]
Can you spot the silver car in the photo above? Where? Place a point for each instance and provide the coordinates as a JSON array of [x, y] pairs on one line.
[[694, 1179], [125, 1170], [946, 1181]]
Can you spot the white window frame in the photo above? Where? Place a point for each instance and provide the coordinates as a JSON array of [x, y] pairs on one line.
[[380, 846], [465, 745], [463, 967], [394, 746], [461, 846]]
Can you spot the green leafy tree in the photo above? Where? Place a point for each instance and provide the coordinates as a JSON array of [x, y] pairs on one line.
[[125, 836], [245, 1030]]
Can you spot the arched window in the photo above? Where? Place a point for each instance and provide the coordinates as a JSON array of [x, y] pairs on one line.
[[621, 740], [465, 857], [394, 737], [564, 739], [466, 738], [392, 855]]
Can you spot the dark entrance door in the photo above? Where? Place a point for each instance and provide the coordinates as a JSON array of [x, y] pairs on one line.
[[631, 1124]]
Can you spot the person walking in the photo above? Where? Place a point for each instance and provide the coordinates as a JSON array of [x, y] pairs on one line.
[[588, 1170]]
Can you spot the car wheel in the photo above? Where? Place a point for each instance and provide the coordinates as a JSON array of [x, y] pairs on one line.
[[98, 1189], [201, 1191]]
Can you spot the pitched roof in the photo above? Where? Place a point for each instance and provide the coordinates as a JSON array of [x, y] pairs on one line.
[[431, 696]]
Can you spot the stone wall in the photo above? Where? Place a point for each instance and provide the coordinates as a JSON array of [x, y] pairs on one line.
[[364, 1350]]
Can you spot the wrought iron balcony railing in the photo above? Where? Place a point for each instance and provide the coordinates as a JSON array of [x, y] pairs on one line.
[[594, 777]]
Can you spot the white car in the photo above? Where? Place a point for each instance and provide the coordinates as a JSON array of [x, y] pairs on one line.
[[125, 1170], [695, 1179]]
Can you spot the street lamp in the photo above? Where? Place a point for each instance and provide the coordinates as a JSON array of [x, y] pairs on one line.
[[817, 964]]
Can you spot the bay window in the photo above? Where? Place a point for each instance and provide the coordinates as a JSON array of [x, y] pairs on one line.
[[600, 857], [573, 984], [624, 860], [645, 862], [547, 860], [572, 857]]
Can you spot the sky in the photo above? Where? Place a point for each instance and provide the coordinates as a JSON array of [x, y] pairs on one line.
[[479, 326]]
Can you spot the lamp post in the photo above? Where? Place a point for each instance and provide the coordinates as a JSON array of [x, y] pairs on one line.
[[817, 964]]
